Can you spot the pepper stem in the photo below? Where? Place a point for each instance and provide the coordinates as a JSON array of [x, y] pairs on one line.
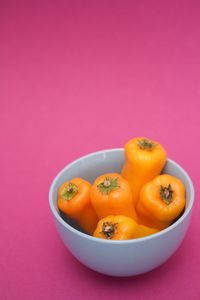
[[166, 194], [108, 185], [146, 144], [69, 191], [109, 229]]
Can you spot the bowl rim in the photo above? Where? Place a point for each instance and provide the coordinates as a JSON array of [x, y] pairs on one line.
[[131, 241]]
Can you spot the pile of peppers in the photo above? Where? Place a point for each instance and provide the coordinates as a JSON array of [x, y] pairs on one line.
[[136, 203]]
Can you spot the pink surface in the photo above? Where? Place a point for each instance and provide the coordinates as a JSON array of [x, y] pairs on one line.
[[81, 76]]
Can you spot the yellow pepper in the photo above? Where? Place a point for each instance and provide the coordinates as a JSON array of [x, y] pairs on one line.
[[144, 159], [162, 200], [121, 228]]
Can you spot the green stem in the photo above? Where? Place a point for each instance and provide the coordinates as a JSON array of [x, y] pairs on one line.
[[109, 229], [69, 191], [146, 144], [108, 185], [166, 194]]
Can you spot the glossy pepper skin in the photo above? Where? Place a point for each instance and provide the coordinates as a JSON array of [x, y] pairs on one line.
[[144, 160], [111, 195], [162, 200], [121, 228], [74, 201], [142, 231]]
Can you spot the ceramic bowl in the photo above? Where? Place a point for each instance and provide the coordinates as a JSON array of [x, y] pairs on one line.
[[119, 258]]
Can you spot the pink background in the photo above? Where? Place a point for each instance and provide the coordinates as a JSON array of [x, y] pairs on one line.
[[81, 76]]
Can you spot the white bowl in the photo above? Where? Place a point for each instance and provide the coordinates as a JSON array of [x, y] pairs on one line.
[[119, 258]]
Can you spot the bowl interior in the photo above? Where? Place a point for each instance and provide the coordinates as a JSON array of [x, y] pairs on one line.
[[91, 166]]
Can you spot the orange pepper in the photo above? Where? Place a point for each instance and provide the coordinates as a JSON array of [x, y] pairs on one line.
[[121, 228], [115, 228], [144, 159], [161, 201], [111, 195], [74, 201]]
